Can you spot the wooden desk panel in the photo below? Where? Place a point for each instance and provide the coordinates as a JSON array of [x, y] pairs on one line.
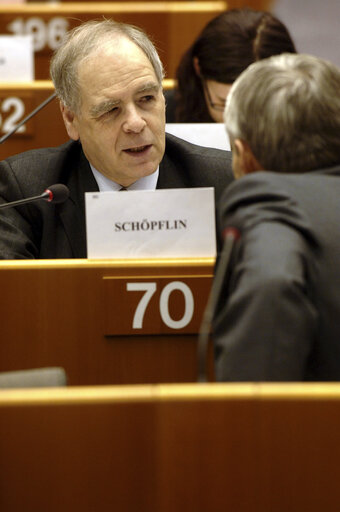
[[53, 314], [172, 25], [217, 447], [45, 129]]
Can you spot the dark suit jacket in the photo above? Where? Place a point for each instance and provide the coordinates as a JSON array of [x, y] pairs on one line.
[[279, 313], [43, 230], [170, 102]]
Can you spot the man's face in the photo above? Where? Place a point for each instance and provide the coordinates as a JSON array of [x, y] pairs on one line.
[[121, 122]]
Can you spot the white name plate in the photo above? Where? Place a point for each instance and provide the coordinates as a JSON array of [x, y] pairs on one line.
[[209, 135], [16, 59], [169, 223]]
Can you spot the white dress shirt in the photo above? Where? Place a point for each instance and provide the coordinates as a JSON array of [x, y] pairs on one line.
[[107, 185]]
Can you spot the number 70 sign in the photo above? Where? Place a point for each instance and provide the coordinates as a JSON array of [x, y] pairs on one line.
[[154, 306]]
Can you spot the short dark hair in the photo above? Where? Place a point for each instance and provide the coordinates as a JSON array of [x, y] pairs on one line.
[[227, 45]]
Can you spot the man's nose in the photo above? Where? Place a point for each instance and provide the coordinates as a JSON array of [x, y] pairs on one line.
[[134, 122]]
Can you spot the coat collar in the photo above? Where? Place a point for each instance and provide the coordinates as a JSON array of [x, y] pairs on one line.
[[79, 180]]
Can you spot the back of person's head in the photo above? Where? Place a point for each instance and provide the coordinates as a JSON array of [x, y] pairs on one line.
[[287, 109], [81, 43], [226, 46]]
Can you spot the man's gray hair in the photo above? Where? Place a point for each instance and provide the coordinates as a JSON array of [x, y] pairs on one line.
[[287, 108], [85, 40]]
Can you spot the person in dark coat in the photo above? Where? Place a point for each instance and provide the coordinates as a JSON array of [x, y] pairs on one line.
[[278, 315], [108, 78]]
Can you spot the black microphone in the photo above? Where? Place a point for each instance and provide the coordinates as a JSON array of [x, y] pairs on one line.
[[57, 193], [230, 235], [27, 118]]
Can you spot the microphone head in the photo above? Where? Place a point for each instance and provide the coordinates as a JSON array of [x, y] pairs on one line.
[[231, 232], [57, 193]]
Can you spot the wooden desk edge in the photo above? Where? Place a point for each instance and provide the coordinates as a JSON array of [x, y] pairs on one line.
[[170, 392], [114, 7], [47, 85], [110, 263]]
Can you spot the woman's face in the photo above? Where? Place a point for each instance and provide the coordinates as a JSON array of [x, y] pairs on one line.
[[215, 94]]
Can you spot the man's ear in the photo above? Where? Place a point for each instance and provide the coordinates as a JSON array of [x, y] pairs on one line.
[[246, 160], [69, 121]]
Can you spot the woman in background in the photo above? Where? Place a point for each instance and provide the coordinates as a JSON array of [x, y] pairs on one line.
[[224, 48]]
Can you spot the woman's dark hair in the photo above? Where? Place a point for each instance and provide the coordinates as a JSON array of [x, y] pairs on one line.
[[224, 48]]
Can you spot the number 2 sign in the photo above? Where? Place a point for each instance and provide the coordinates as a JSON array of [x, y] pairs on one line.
[[12, 110]]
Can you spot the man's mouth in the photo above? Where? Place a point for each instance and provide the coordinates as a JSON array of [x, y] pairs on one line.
[[139, 149]]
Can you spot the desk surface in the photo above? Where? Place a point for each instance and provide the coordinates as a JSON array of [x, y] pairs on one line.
[[217, 447]]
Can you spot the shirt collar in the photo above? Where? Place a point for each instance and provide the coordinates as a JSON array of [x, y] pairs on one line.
[[107, 185]]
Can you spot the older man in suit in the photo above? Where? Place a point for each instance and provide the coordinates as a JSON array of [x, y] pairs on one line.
[[108, 78], [278, 318]]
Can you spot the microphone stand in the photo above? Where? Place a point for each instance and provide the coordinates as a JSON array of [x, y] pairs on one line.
[[45, 196], [57, 193], [27, 118], [230, 236]]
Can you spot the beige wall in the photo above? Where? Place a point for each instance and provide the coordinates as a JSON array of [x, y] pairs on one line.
[[314, 25]]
